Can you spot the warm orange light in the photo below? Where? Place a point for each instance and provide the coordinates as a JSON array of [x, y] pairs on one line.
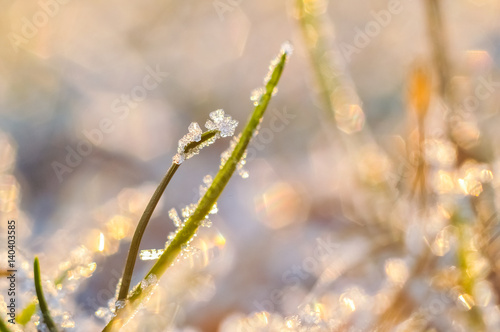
[[101, 242]]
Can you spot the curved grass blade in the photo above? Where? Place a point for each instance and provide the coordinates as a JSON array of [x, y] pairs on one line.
[[206, 203], [29, 310], [47, 319], [146, 216]]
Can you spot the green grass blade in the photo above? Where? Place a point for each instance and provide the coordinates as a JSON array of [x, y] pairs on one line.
[[313, 31], [139, 232], [3, 326], [146, 216], [47, 319], [25, 316], [206, 203]]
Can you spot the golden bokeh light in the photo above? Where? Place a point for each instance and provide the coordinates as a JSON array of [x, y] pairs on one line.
[[119, 227], [9, 193], [101, 242], [397, 271], [282, 205], [350, 118]]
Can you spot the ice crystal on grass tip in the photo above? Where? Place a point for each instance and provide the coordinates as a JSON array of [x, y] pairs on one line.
[[286, 48], [224, 124], [193, 135]]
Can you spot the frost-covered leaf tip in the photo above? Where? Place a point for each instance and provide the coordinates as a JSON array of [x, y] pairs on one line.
[[218, 126]]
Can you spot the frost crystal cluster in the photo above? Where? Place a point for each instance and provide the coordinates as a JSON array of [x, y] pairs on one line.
[[193, 135], [150, 281], [256, 94], [225, 125]]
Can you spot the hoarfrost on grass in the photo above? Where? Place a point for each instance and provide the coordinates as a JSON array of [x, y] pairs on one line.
[[206, 222], [188, 210], [179, 221], [150, 281], [207, 182], [150, 254], [188, 251], [193, 135], [224, 157], [219, 122], [225, 125], [286, 48], [175, 217], [67, 321], [178, 158], [119, 304], [256, 95]]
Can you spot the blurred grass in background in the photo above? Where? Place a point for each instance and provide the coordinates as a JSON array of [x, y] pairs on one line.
[[407, 197]]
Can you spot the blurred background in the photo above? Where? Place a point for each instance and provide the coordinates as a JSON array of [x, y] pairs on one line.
[[328, 232]]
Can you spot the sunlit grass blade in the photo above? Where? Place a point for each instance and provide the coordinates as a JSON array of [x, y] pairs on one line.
[[29, 310], [47, 319], [313, 35], [439, 43], [25, 316], [186, 233], [334, 86], [146, 216]]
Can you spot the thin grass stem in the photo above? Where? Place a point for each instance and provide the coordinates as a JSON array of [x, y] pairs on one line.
[[47, 319], [146, 216]]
